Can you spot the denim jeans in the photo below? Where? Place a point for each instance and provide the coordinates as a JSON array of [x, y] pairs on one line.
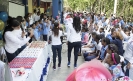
[[56, 49], [76, 46], [89, 58]]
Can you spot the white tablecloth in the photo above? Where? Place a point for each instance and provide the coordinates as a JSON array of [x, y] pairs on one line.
[[33, 74]]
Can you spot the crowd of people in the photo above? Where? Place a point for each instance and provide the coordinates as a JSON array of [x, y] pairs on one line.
[[94, 36], [106, 39]]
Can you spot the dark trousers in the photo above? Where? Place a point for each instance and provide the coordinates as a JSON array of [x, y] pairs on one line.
[[55, 49], [11, 56], [127, 70], [45, 37], [76, 46]]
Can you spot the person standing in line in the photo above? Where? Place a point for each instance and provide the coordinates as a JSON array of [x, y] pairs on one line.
[[46, 29], [74, 39], [56, 44]]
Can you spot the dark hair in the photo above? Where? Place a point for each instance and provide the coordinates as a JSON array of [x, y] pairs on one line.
[[41, 16], [56, 29], [98, 37], [106, 40], [32, 25], [94, 33], [36, 22], [102, 29], [76, 24], [34, 10], [113, 48], [20, 18], [112, 30], [13, 22], [86, 29]]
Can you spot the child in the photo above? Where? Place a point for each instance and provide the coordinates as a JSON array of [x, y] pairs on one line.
[[90, 56], [105, 42], [41, 29], [112, 48], [84, 38], [91, 46], [46, 29], [102, 33], [36, 34], [115, 66]]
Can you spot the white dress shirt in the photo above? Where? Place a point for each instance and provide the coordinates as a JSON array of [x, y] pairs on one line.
[[13, 42], [37, 17], [56, 39], [72, 35]]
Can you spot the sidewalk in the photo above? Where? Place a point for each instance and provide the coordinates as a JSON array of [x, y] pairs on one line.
[[61, 74]]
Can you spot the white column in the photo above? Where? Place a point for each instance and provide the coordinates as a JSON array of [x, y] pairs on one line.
[[115, 7]]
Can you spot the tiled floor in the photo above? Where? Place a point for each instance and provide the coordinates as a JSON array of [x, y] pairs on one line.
[[61, 74]]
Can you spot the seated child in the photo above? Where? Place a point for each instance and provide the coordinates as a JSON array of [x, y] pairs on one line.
[[92, 55], [90, 47], [115, 67]]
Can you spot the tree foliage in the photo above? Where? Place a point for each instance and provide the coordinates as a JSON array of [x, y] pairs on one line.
[[124, 7]]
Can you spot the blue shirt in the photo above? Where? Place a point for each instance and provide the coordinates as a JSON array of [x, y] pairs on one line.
[[117, 71], [46, 29], [104, 24], [41, 32], [82, 36], [88, 18], [122, 22], [109, 36], [119, 44], [27, 24], [102, 53], [36, 34]]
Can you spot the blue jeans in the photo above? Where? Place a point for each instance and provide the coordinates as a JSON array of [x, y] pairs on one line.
[[76, 46], [85, 54], [89, 58], [56, 48]]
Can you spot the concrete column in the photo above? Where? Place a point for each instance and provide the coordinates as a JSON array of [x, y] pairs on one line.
[[25, 2], [55, 7]]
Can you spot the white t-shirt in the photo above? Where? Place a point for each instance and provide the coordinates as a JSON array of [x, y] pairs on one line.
[[56, 39], [13, 42], [37, 18], [98, 46], [72, 35]]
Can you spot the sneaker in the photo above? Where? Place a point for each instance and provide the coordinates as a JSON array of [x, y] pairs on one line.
[[59, 65], [54, 67], [75, 65], [68, 64]]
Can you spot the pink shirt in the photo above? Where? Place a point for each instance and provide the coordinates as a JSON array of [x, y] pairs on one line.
[[86, 38]]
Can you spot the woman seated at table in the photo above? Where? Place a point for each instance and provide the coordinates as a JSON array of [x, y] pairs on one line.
[[11, 37]]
